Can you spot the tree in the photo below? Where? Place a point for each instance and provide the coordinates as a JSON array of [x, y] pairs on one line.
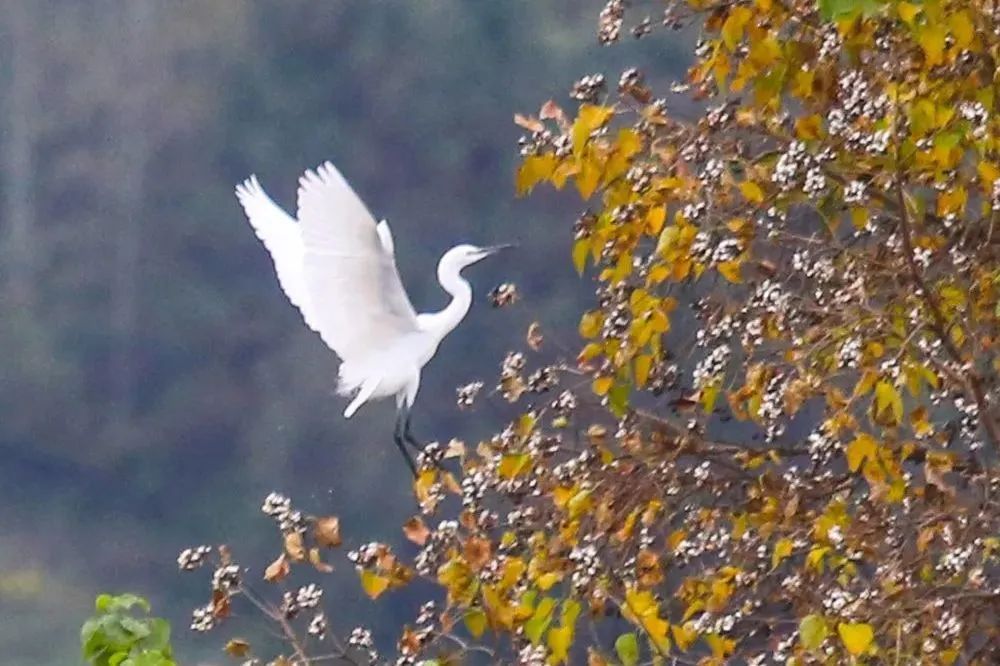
[[778, 443]]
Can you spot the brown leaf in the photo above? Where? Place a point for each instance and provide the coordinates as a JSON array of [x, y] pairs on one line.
[[597, 434], [294, 546], [326, 531], [277, 570], [237, 647], [528, 123], [317, 561], [477, 552], [220, 604], [935, 475], [409, 642], [535, 337], [594, 658], [416, 531], [456, 449], [791, 507], [385, 560], [551, 111]]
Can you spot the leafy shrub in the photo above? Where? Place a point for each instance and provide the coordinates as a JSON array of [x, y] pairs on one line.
[[120, 634]]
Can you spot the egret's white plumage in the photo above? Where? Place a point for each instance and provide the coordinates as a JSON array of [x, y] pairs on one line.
[[338, 267]]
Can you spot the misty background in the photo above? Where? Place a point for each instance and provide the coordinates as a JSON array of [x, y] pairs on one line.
[[155, 384]]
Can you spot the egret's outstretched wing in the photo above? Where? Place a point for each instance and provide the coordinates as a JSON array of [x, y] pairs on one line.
[[356, 297], [282, 237]]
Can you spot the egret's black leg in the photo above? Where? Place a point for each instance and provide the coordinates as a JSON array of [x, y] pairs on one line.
[[399, 439], [408, 435]]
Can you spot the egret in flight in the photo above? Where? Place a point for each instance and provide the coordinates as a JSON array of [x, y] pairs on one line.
[[338, 267]]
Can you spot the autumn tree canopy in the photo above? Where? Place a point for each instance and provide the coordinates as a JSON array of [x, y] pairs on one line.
[[778, 442]]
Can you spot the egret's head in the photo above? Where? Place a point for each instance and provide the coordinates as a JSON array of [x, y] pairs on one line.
[[464, 255]]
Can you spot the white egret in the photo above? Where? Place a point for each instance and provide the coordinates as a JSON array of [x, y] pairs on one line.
[[338, 267]]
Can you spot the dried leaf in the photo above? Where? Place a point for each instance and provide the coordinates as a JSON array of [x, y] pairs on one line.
[[477, 552], [456, 449], [416, 530], [295, 546], [326, 531], [535, 337], [317, 561], [551, 111], [237, 647], [220, 604], [529, 123], [277, 570]]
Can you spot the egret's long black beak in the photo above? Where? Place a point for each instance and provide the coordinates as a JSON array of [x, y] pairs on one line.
[[493, 249]]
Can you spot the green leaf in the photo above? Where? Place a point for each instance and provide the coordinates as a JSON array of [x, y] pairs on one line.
[[540, 620], [832, 10], [570, 611], [618, 398], [627, 648], [813, 631], [475, 622]]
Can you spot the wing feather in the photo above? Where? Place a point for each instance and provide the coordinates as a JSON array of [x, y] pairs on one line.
[[282, 237], [356, 297]]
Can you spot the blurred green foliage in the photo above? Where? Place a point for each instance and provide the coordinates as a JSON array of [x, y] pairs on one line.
[[116, 636]]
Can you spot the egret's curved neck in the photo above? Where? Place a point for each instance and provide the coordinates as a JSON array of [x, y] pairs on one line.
[[443, 322]]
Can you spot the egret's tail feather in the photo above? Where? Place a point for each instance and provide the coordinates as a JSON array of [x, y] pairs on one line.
[[365, 390]]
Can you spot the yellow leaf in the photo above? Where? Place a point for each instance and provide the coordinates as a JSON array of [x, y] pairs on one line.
[[752, 192], [732, 29], [808, 127], [887, 398], [643, 364], [708, 396], [602, 385], [814, 560], [988, 172], [684, 635], [932, 41], [862, 448], [857, 637], [731, 270], [580, 250], [590, 324], [588, 178], [655, 219], [629, 142], [534, 169], [589, 119], [373, 584], [512, 465], [547, 580], [866, 383], [721, 647], [962, 28], [907, 11], [560, 639], [782, 550]]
